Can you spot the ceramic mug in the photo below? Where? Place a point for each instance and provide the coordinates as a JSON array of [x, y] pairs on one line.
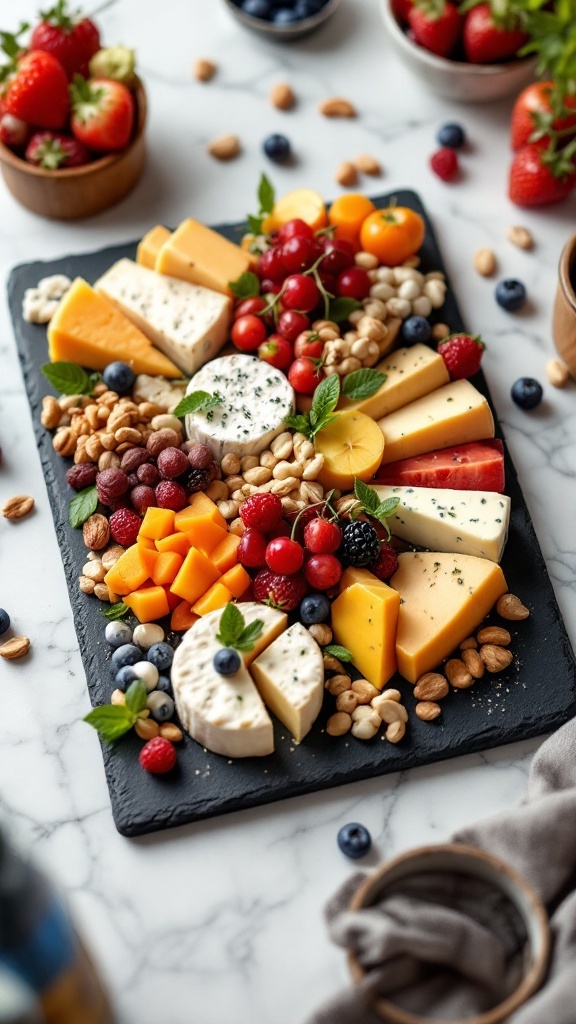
[[564, 321], [459, 859]]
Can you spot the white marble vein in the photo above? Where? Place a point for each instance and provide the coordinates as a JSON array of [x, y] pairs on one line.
[[222, 922]]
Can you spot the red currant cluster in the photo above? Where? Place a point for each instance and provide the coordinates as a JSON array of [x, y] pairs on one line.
[[299, 268]]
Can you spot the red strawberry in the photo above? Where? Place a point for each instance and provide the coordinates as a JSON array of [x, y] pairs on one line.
[[38, 94], [462, 354], [401, 10], [532, 111], [102, 113], [487, 42], [435, 25], [535, 182], [386, 564], [279, 590], [72, 40], [53, 150]]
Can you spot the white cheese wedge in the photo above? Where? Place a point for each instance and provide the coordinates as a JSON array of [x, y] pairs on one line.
[[224, 713], [469, 522], [290, 678], [189, 324], [255, 399]]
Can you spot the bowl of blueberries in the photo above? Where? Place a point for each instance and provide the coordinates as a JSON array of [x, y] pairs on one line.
[[282, 19]]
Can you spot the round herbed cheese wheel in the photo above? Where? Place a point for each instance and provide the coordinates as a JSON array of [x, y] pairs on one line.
[[255, 398]]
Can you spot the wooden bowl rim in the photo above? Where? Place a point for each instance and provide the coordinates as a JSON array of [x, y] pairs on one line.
[[566, 260], [531, 981], [102, 163]]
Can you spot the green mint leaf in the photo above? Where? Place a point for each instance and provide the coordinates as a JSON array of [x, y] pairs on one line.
[[386, 508], [68, 378], [367, 496], [231, 626], [299, 423], [266, 195], [136, 695], [111, 721], [245, 286], [82, 506], [198, 401], [342, 653], [245, 641], [340, 309], [115, 611], [362, 383], [254, 224], [325, 399]]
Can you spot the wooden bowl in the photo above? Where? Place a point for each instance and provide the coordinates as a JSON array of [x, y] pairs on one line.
[[564, 321], [457, 858], [79, 191]]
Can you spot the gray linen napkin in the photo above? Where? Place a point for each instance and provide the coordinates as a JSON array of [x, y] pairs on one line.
[[448, 950]]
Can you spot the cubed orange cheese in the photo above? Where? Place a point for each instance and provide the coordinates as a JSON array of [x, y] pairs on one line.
[[444, 598], [199, 504], [148, 604], [199, 255], [174, 542], [183, 617], [168, 563], [195, 577], [157, 523], [129, 572], [203, 533], [364, 619], [237, 580], [216, 597], [225, 555], [145, 542], [150, 246], [149, 558], [88, 330], [173, 599]]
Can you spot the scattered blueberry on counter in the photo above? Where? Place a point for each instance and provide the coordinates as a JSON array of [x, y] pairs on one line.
[[527, 393], [4, 621], [510, 294], [354, 840], [277, 148], [451, 135]]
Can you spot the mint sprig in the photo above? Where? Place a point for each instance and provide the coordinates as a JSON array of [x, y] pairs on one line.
[[69, 378], [116, 611], [324, 402], [339, 309], [82, 506], [112, 721], [246, 286], [266, 200], [362, 383], [198, 401], [342, 653], [233, 631], [370, 504]]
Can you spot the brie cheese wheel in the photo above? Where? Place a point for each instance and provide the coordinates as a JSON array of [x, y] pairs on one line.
[[255, 398], [290, 677]]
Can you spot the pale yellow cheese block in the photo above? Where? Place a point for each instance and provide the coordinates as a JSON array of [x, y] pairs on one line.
[[364, 619], [199, 255], [410, 374], [454, 414], [444, 598], [353, 575], [149, 247]]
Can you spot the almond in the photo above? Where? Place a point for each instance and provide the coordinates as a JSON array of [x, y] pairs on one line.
[[225, 147], [494, 635], [282, 96], [367, 164], [430, 687], [495, 658], [336, 106], [458, 675], [171, 732], [17, 507], [510, 607], [204, 70], [96, 532], [558, 373], [427, 710], [473, 662], [346, 174], [470, 643], [520, 237], [17, 647], [485, 262]]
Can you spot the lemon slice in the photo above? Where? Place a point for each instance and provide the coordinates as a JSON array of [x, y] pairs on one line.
[[352, 446]]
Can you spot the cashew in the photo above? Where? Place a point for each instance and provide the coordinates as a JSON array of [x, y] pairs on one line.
[[283, 487], [383, 291], [267, 459], [422, 306], [285, 470], [312, 467], [258, 475], [311, 492], [282, 445]]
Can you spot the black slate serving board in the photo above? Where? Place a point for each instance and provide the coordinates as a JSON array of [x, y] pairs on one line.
[[536, 694]]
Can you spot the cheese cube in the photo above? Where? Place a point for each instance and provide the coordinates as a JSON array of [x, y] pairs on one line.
[[290, 677], [196, 254], [444, 598], [454, 414], [410, 374], [149, 247], [189, 324], [364, 619]]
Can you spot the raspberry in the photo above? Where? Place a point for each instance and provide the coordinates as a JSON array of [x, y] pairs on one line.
[[279, 590], [125, 526], [171, 463], [262, 511], [386, 564], [199, 456], [196, 480], [462, 354], [142, 497], [158, 756], [148, 474], [110, 484], [81, 476], [134, 458], [444, 163], [171, 495]]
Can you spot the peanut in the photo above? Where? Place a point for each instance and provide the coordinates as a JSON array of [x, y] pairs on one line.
[[204, 70], [258, 476], [225, 147], [51, 413], [338, 724], [485, 262], [365, 259], [346, 174], [230, 464], [281, 446]]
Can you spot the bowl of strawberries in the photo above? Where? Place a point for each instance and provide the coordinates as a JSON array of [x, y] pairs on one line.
[[72, 117], [467, 52]]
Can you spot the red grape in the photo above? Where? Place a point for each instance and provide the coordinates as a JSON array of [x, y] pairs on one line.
[[248, 332], [291, 324], [304, 376], [322, 537], [300, 292], [299, 254], [354, 283], [252, 549], [337, 258], [323, 571], [284, 555]]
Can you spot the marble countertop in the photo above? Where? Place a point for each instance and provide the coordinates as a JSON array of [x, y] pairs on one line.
[[222, 921]]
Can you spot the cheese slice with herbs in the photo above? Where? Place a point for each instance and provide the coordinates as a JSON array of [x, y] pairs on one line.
[[470, 522], [290, 677], [410, 374]]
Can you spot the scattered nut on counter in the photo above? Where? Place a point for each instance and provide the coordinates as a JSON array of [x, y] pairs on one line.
[[558, 373], [367, 164], [18, 506], [14, 648], [204, 70], [225, 147], [521, 237], [337, 106], [282, 97], [485, 262], [346, 174]]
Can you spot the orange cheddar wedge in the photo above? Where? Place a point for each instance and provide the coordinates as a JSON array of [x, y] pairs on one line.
[[195, 577], [149, 247], [148, 604], [201, 256], [237, 580], [216, 597]]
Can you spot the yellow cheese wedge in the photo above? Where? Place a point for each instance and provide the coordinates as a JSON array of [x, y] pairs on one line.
[[353, 575], [454, 414], [444, 598], [364, 619], [88, 330], [410, 374], [147, 252], [199, 255]]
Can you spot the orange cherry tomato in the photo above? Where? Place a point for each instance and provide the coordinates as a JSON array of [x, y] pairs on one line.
[[348, 213], [392, 234]]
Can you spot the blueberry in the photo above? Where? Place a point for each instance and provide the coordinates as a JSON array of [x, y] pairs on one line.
[[119, 377], [164, 685], [161, 706], [284, 16], [354, 840], [127, 654], [451, 135], [527, 393], [277, 148], [161, 655], [314, 608], [510, 294], [258, 9], [118, 633], [4, 621], [226, 661], [124, 677], [416, 328]]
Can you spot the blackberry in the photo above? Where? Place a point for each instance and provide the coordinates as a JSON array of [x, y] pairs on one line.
[[360, 544], [196, 480]]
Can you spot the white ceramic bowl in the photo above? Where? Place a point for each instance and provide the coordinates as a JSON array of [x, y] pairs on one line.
[[456, 80], [283, 33]]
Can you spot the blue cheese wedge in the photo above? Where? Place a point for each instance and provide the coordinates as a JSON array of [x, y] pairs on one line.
[[225, 714], [254, 399], [466, 522], [189, 324], [290, 677]]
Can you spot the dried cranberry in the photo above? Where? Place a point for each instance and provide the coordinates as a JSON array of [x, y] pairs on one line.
[[196, 480], [125, 526], [133, 458], [148, 474], [115, 503], [172, 463], [133, 480], [111, 483], [199, 456], [82, 475], [171, 495], [142, 497]]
